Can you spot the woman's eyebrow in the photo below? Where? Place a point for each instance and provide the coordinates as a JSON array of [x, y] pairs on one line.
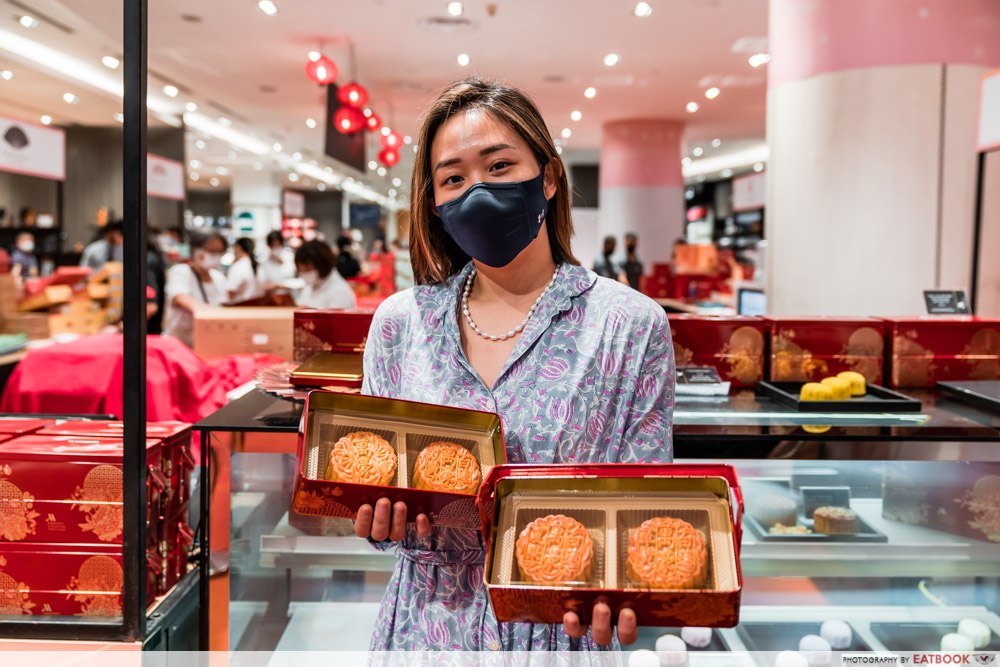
[[494, 149], [486, 151]]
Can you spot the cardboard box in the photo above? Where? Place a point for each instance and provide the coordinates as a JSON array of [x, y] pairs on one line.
[[806, 349], [84, 323], [732, 345], [929, 349], [340, 331], [222, 331], [612, 501], [34, 325]]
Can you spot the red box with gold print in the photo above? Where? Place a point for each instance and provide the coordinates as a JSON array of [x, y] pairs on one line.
[[612, 502], [23, 426], [66, 489], [64, 579], [805, 349], [339, 331], [733, 345], [929, 349]]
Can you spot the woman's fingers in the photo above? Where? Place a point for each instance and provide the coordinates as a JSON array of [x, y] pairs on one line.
[[423, 526], [572, 627], [600, 626], [628, 626], [398, 531], [363, 522], [380, 524]]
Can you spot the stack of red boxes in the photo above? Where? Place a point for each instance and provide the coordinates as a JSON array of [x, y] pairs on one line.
[[337, 331], [61, 515], [925, 350], [734, 345], [808, 349]]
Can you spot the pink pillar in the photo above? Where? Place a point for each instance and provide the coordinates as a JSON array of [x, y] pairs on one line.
[[870, 119], [642, 188]]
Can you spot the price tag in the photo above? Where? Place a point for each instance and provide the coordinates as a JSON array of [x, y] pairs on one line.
[[814, 497], [944, 302], [697, 375]]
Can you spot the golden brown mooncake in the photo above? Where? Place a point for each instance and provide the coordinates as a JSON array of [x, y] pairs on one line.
[[835, 520], [555, 549], [362, 457], [667, 553], [445, 466]]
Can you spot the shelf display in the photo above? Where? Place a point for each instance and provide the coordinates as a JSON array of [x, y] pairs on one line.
[[810, 349], [734, 346], [926, 350]]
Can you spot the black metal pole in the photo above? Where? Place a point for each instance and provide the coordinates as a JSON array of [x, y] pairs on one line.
[[977, 230], [134, 319], [204, 543]]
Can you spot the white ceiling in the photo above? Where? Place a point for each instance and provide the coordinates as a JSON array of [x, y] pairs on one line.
[[236, 62]]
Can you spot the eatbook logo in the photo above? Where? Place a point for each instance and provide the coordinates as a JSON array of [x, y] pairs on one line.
[[986, 658]]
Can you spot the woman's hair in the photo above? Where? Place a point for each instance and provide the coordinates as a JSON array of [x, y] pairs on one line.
[[317, 254], [435, 256], [246, 245], [275, 237], [201, 239]]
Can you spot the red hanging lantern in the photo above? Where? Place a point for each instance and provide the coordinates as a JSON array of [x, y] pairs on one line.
[[353, 95], [348, 120], [373, 122], [392, 140], [388, 157], [322, 71]]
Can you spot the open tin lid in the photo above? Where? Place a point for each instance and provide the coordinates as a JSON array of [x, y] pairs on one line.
[[329, 368]]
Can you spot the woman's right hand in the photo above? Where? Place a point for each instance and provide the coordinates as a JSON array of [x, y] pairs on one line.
[[387, 522]]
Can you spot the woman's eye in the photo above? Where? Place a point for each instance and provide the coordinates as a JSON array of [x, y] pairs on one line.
[[497, 166], [453, 180]]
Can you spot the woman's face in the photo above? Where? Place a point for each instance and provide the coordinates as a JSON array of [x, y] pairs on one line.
[[474, 147], [305, 268]]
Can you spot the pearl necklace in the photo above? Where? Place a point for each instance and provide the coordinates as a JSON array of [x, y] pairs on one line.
[[516, 330]]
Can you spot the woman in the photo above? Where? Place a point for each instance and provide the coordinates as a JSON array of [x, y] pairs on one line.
[[195, 285], [325, 288], [579, 368], [156, 276], [23, 262], [242, 282], [275, 270]]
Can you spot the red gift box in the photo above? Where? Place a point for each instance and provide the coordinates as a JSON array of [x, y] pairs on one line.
[[175, 540], [64, 579], [69, 489], [611, 500], [409, 427], [344, 331], [926, 350], [23, 426], [805, 349], [732, 345]]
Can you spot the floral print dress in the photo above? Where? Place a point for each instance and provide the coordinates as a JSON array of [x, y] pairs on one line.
[[590, 380]]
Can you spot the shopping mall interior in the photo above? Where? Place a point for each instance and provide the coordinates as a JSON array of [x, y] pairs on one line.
[[807, 188]]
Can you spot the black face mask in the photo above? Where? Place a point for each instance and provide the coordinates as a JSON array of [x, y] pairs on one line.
[[494, 222]]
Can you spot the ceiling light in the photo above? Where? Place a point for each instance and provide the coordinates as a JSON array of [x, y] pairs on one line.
[[111, 62], [214, 181], [311, 123], [692, 107], [293, 177], [232, 155], [321, 187], [408, 140], [195, 164], [559, 150], [70, 98], [759, 166], [455, 9], [373, 165], [222, 171], [392, 192], [698, 151], [726, 173], [590, 93], [415, 147], [642, 9], [195, 176], [120, 117], [386, 131], [28, 21], [566, 133], [46, 120], [612, 59], [712, 93], [297, 156], [191, 106], [758, 59], [464, 60], [170, 90], [268, 7], [6, 75], [200, 144], [576, 115], [257, 166], [686, 161], [225, 122], [314, 56], [276, 147], [397, 182], [716, 143], [381, 171]]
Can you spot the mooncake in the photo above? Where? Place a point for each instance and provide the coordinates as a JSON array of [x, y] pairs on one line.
[[445, 466], [665, 552], [555, 549], [362, 457]]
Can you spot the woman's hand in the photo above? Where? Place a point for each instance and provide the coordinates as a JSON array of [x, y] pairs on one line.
[[601, 628], [387, 522]]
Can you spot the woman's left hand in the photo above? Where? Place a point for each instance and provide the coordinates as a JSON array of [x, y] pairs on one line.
[[601, 628]]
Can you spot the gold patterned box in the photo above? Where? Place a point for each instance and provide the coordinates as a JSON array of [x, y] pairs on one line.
[[409, 428], [626, 520], [343, 331], [734, 346], [926, 350], [805, 349]]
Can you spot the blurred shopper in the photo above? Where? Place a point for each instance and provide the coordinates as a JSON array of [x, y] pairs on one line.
[[108, 248], [348, 265], [23, 262], [378, 249], [243, 281], [195, 285], [325, 288], [605, 265], [276, 268], [631, 266], [156, 279], [402, 265]]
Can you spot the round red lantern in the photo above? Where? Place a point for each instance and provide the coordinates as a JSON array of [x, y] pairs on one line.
[[353, 95], [348, 120], [392, 140], [373, 122], [322, 71], [388, 157]]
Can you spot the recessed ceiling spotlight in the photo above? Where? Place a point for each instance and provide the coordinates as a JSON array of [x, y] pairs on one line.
[[408, 140], [120, 117], [759, 166], [464, 59], [381, 171], [293, 177], [214, 181], [225, 122], [758, 59], [386, 131], [566, 133], [268, 7], [373, 165], [612, 59], [415, 147], [311, 123], [222, 171], [726, 173], [590, 93], [712, 93], [195, 164], [698, 151], [686, 161], [276, 147], [314, 56], [232, 155], [28, 21], [716, 143], [642, 9], [455, 9], [321, 187], [191, 106], [297, 156], [70, 98], [6, 75], [392, 192], [558, 150], [575, 115], [45, 120], [397, 182], [692, 107], [194, 176], [110, 62], [170, 91], [257, 166]]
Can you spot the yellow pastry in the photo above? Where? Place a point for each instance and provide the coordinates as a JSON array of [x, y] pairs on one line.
[[859, 384], [814, 391], [841, 388]]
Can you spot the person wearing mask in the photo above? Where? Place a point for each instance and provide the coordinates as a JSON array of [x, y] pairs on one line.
[[195, 285], [347, 264], [108, 248], [325, 288], [156, 278], [242, 281], [605, 265], [275, 269], [23, 262], [632, 265]]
